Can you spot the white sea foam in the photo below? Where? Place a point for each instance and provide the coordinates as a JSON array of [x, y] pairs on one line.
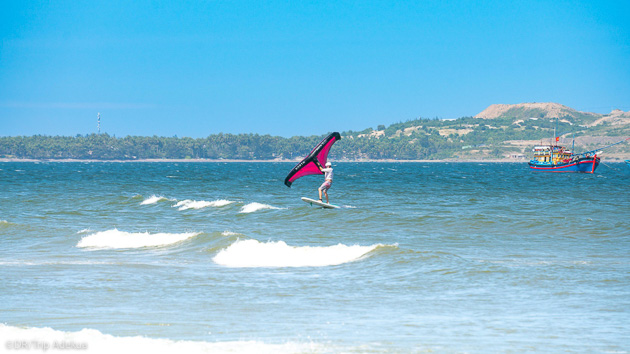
[[200, 204], [153, 199], [92, 341], [252, 207], [229, 233], [84, 231], [114, 239], [251, 253]]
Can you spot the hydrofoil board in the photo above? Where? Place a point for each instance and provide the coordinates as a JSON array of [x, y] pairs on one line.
[[318, 203]]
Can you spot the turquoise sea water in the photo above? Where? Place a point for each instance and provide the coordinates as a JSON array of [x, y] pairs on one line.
[[220, 257]]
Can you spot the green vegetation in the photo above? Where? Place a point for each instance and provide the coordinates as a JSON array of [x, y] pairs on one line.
[[428, 139]]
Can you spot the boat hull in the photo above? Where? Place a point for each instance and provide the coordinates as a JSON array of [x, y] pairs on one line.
[[584, 165]]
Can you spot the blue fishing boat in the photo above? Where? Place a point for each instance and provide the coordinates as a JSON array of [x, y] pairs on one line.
[[555, 158]]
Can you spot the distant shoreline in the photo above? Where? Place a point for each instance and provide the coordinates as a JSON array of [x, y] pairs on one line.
[[259, 161], [611, 160]]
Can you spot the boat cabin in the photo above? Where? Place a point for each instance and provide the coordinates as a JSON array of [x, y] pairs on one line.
[[552, 154]]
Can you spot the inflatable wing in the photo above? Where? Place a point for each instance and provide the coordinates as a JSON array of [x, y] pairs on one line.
[[309, 166]]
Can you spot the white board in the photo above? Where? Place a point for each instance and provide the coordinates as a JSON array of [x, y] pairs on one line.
[[318, 203]]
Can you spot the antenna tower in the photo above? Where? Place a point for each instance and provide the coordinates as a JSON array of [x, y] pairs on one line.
[[98, 122]]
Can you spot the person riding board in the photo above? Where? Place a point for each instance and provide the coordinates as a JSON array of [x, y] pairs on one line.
[[328, 178]]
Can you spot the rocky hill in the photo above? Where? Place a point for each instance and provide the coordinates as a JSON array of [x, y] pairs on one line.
[[552, 110], [529, 110], [589, 130]]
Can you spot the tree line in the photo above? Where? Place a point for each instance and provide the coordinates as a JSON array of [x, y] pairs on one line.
[[416, 139], [220, 146]]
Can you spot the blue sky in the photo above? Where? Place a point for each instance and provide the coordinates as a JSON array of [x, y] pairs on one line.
[[195, 68]]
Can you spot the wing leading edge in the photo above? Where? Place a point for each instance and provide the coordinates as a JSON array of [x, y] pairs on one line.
[[317, 157]]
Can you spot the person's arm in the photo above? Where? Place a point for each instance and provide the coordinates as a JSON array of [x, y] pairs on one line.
[[319, 165]]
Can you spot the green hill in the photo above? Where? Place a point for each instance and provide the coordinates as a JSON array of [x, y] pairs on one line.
[[499, 132]]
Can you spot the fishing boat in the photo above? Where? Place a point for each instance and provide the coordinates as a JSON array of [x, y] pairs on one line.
[[556, 158]]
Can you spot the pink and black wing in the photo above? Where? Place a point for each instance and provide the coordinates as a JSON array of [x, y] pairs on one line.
[[318, 156]]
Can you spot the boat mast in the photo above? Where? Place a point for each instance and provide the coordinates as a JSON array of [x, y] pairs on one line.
[[554, 142]]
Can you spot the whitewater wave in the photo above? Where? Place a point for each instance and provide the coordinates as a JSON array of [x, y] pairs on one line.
[[252, 207], [153, 200], [252, 253], [114, 239], [6, 224], [194, 204], [93, 341]]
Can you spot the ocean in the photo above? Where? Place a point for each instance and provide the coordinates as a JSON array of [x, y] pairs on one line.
[[218, 257]]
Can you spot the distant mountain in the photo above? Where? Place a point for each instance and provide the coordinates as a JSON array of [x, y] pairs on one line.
[[552, 110]]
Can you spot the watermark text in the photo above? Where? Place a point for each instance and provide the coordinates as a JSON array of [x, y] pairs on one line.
[[28, 345]]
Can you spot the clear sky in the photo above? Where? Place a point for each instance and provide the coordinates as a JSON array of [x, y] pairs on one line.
[[195, 68]]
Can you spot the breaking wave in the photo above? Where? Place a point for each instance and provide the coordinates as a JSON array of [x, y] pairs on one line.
[[252, 207], [251, 253], [194, 204], [93, 341], [153, 200], [114, 239]]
